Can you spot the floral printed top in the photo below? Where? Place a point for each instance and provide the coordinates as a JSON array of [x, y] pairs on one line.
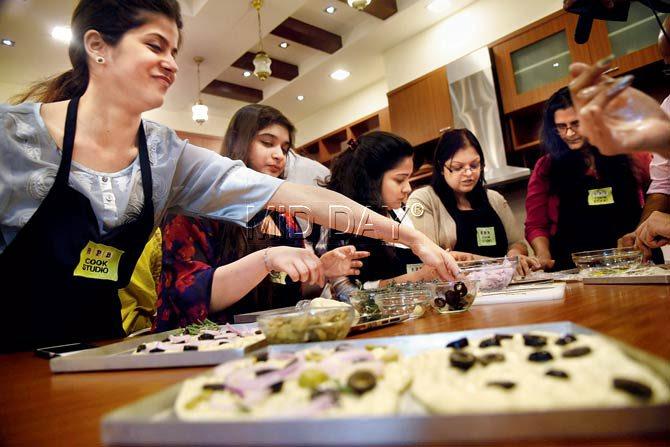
[[192, 250]]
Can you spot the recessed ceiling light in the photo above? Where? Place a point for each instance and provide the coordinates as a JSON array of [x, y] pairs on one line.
[[300, 98], [62, 34], [8, 42], [330, 9], [340, 75], [283, 45], [439, 5], [246, 74], [556, 64]]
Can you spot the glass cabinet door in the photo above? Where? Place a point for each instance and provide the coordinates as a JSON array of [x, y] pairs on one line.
[[542, 62], [638, 32]]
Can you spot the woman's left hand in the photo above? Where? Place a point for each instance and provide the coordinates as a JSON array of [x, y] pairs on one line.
[[343, 261], [434, 256]]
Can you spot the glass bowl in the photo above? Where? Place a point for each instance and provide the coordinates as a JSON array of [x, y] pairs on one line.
[[607, 262], [454, 296], [404, 299], [318, 324], [493, 274]]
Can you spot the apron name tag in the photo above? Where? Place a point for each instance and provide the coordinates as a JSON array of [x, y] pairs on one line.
[[602, 196], [486, 236], [278, 277], [411, 268], [99, 261]]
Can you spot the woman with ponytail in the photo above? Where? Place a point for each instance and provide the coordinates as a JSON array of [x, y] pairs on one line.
[[69, 242]]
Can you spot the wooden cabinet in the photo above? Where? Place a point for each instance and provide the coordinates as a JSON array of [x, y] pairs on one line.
[[421, 109], [533, 63], [206, 141], [633, 43], [330, 145]]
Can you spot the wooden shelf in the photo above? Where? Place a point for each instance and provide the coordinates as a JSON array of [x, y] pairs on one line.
[[535, 143], [329, 146], [421, 175]]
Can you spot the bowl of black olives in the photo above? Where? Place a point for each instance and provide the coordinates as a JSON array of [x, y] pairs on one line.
[[454, 296]]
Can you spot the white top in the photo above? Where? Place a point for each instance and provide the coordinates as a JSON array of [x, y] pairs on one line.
[[186, 179], [304, 170]]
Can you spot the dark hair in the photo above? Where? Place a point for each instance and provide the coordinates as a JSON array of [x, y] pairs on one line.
[[112, 19], [568, 165], [451, 142], [245, 125], [358, 172]]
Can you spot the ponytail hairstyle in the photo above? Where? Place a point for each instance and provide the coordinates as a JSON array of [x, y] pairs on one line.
[[452, 141], [112, 19], [358, 172], [245, 125]]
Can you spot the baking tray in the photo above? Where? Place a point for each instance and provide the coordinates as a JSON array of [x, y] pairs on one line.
[[120, 356], [522, 294], [151, 421]]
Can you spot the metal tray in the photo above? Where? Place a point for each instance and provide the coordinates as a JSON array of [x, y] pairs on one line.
[[151, 421], [120, 356]]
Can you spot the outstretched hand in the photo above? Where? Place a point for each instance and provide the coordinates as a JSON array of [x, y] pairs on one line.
[[343, 261]]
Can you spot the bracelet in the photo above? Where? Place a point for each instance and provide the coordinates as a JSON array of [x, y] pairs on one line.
[[266, 261]]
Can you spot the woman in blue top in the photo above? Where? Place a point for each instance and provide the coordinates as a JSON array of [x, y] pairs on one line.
[[71, 241]]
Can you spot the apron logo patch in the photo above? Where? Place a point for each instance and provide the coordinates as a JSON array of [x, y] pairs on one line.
[[411, 268], [416, 209], [602, 196], [278, 277], [99, 261], [486, 236]]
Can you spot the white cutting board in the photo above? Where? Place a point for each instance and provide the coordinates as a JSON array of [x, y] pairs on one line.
[[542, 292]]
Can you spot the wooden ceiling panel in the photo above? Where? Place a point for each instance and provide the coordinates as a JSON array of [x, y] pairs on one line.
[[233, 91], [308, 35], [382, 9]]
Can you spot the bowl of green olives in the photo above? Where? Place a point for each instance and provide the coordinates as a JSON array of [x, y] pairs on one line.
[[314, 324]]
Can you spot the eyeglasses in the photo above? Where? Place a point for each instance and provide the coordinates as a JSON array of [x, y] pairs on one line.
[[562, 128], [473, 167]]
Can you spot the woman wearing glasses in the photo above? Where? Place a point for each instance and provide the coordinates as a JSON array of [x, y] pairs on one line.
[[577, 198], [458, 213]]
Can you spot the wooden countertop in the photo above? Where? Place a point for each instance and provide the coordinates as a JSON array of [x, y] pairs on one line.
[[39, 409]]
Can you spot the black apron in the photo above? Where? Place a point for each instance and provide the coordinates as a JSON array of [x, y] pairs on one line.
[[480, 232], [592, 215], [62, 267], [385, 261]]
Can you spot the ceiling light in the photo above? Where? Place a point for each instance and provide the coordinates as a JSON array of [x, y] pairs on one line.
[[199, 109], [283, 45], [439, 5], [340, 75], [8, 42], [330, 9], [556, 64], [359, 4], [246, 74], [62, 34], [261, 61], [300, 98]]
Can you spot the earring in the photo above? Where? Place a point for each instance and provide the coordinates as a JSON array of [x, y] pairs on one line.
[[100, 60]]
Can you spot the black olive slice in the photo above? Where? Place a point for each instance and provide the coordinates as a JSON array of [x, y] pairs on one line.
[[566, 339], [633, 388], [258, 332], [534, 340], [540, 356], [491, 358], [577, 352], [440, 302], [206, 336], [557, 373], [486, 343], [154, 350], [224, 342], [458, 344], [262, 357], [362, 381], [141, 347], [452, 297], [501, 337], [334, 394], [214, 387], [277, 387], [190, 348], [504, 384], [260, 372], [462, 360]]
